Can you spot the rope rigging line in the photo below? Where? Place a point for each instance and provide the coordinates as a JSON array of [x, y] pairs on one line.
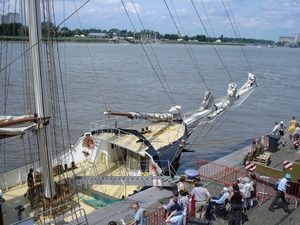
[[242, 49], [97, 78], [219, 54], [212, 29], [147, 55], [58, 123], [225, 67], [190, 50], [157, 61], [208, 134]]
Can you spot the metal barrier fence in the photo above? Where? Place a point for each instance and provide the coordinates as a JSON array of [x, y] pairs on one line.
[[227, 175], [157, 217], [218, 172], [264, 185], [265, 188]]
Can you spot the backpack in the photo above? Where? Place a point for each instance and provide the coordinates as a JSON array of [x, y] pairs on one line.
[[281, 129], [276, 186]]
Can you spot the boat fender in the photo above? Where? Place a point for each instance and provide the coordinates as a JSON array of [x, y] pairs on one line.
[[103, 157], [154, 170], [90, 143]]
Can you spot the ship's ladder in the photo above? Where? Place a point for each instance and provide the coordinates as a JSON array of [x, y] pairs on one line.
[[91, 160]]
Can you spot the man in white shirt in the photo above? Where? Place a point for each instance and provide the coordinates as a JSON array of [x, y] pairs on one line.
[[202, 197], [275, 129]]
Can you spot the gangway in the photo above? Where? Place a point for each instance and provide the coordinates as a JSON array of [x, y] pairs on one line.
[[160, 181]]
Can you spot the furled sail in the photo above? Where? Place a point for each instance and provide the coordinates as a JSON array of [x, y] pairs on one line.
[[174, 112], [16, 125]]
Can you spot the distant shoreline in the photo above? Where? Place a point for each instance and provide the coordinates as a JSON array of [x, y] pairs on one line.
[[102, 40]]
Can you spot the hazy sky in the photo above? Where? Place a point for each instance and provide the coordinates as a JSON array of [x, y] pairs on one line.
[[259, 19]]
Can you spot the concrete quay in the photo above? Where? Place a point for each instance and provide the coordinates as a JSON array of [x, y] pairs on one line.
[[152, 198], [260, 213]]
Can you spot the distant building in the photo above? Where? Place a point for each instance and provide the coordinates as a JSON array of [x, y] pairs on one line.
[[98, 35], [290, 40], [81, 35], [10, 18]]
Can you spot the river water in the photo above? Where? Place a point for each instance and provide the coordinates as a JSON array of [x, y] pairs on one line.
[[120, 77]]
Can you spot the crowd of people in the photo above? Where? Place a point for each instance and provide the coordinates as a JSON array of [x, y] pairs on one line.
[[199, 202], [279, 131], [293, 132]]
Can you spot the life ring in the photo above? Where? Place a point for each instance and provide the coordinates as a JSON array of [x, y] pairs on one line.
[[154, 170], [90, 143]]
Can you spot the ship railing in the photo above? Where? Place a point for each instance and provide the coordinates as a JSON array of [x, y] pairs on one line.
[[130, 168], [170, 138], [107, 124], [17, 176], [114, 123], [144, 168], [77, 216]]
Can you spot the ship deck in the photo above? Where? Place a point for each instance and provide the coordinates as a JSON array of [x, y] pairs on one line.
[[158, 134], [86, 195]]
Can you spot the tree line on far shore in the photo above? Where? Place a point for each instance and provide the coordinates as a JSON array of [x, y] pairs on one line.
[[18, 30]]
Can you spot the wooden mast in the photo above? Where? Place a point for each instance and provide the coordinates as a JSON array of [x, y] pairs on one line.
[[43, 137]]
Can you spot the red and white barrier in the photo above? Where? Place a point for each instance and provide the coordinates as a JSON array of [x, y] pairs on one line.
[[250, 166], [297, 143], [288, 165]]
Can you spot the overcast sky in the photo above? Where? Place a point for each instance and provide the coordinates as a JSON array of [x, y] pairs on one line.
[[259, 19]]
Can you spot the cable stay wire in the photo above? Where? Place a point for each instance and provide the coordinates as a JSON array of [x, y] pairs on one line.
[[235, 32], [220, 58], [190, 50], [157, 61], [212, 29], [165, 86]]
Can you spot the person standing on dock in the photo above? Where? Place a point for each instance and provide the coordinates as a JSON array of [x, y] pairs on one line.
[[253, 193], [275, 129], [296, 133], [181, 184], [236, 199], [281, 193], [202, 197], [292, 127], [138, 215], [281, 129]]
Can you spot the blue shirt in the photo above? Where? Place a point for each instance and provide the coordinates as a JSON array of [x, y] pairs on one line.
[[222, 199], [139, 217], [282, 184], [177, 219]]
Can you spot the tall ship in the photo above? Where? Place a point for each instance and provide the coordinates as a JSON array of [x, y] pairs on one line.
[[120, 154]]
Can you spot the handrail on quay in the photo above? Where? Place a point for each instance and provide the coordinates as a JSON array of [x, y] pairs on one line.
[[264, 185]]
